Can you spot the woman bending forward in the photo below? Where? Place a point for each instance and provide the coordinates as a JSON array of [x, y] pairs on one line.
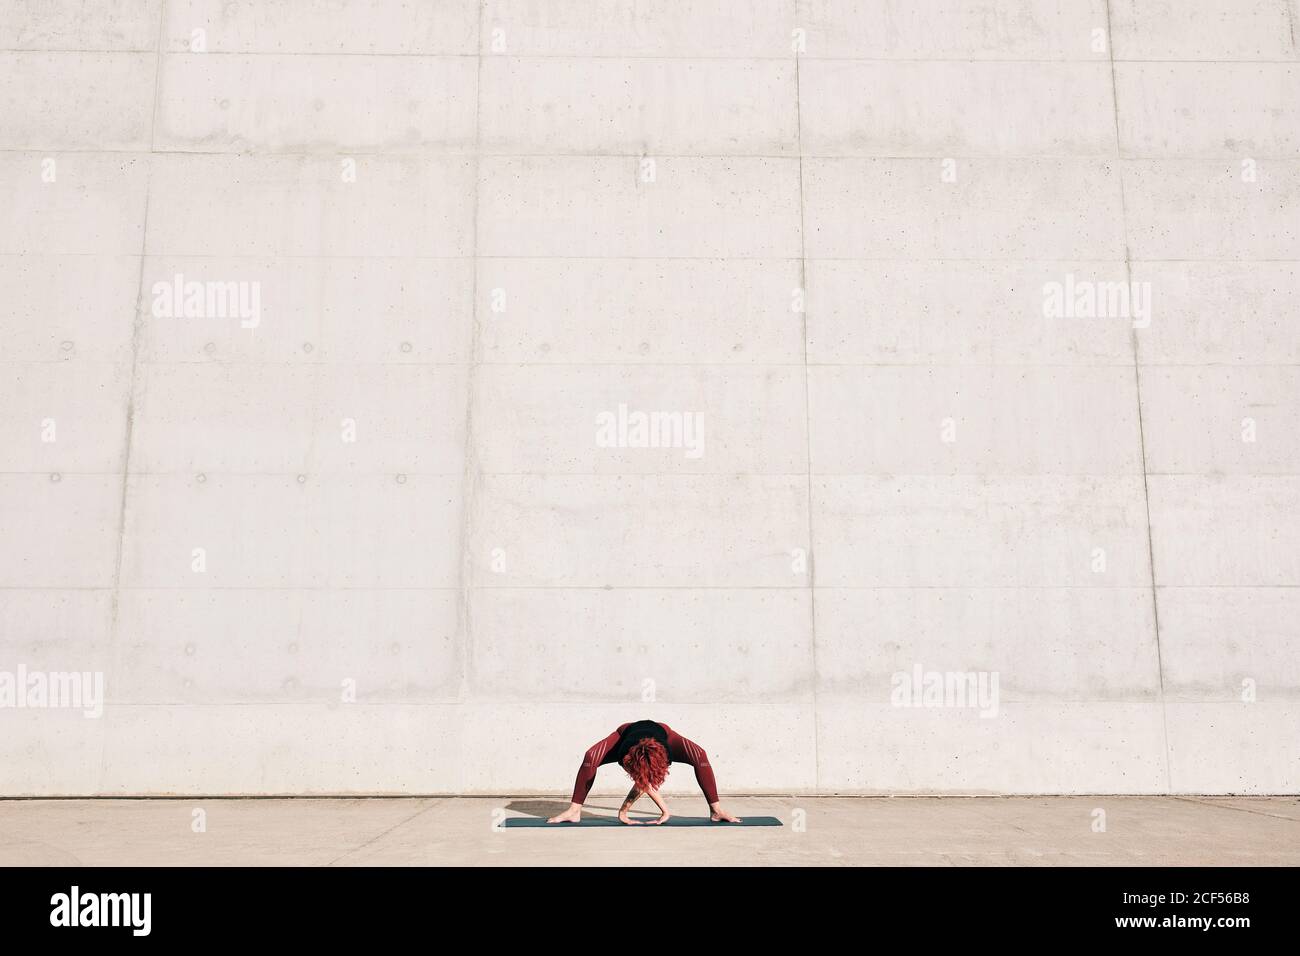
[[645, 749]]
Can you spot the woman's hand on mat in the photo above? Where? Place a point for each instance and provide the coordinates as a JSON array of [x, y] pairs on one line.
[[720, 815], [662, 804], [633, 796]]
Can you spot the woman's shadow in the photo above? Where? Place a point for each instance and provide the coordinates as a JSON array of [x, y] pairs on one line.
[[545, 809]]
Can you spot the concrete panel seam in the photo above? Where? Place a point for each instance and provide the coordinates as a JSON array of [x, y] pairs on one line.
[[1137, 394], [136, 325], [807, 409], [468, 479]]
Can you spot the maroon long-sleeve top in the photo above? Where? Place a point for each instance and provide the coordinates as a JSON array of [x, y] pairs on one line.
[[680, 750]]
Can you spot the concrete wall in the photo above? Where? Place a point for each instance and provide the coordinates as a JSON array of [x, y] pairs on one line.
[[824, 227]]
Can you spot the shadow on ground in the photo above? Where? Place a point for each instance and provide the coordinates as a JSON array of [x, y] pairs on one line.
[[549, 808]]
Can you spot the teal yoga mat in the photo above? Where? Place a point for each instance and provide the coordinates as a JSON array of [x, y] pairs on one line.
[[540, 823]]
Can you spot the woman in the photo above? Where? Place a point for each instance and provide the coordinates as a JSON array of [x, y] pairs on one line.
[[644, 749]]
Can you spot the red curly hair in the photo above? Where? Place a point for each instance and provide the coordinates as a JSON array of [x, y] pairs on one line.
[[647, 764]]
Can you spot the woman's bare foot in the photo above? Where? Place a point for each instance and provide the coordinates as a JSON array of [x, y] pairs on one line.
[[571, 815], [720, 815]]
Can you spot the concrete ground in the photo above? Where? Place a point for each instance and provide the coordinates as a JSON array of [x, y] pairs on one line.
[[836, 831]]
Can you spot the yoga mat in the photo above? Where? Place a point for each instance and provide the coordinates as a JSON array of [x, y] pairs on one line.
[[540, 823]]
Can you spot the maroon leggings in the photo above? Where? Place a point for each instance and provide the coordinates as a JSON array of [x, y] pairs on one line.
[[680, 750]]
